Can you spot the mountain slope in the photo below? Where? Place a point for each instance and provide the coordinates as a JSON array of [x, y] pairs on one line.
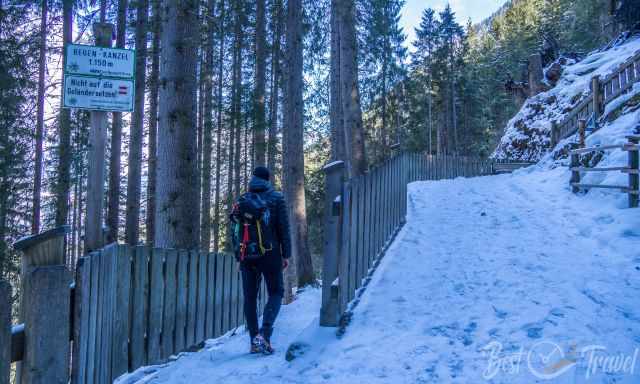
[[527, 135]]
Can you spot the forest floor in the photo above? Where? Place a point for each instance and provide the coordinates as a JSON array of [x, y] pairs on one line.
[[504, 279]]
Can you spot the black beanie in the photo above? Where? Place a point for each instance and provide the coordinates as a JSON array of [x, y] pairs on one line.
[[262, 172]]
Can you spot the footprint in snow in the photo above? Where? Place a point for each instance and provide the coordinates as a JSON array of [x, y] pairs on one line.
[[606, 219], [500, 314], [534, 330]]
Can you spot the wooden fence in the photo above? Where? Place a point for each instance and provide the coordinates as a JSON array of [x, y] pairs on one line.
[[363, 215], [602, 92], [130, 306], [632, 189], [140, 305]]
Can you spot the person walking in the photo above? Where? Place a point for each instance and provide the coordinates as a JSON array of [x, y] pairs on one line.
[[262, 245]]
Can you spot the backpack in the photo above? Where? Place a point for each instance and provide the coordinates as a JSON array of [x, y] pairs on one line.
[[251, 233]]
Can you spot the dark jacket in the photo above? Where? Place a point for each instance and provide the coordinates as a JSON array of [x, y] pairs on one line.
[[279, 219]]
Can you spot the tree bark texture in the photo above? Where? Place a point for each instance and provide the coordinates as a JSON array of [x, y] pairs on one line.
[[259, 91], [293, 132], [177, 217], [153, 123], [351, 110], [63, 182], [207, 134], [42, 66]]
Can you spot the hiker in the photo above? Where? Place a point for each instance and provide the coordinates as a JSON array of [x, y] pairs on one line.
[[260, 233]]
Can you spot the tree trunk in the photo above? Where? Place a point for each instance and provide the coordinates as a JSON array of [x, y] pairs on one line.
[[217, 202], [338, 150], [113, 195], [259, 96], [237, 91], [134, 179], [351, 111], [177, 217], [153, 124], [293, 132], [42, 66], [275, 88], [63, 183], [205, 230]]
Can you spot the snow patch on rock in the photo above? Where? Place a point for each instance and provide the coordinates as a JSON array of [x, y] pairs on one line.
[[527, 135]]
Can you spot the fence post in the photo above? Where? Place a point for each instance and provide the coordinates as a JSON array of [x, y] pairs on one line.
[[554, 134], [575, 174], [5, 331], [597, 96], [330, 309], [582, 124], [46, 319], [634, 178], [45, 307]]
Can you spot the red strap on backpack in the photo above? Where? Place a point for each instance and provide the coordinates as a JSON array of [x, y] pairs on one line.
[[245, 241]]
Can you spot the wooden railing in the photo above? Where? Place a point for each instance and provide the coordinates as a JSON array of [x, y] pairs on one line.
[[602, 92], [632, 169], [363, 215], [130, 306]]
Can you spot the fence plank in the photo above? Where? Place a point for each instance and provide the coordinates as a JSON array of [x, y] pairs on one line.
[[387, 200], [226, 296], [139, 306], [344, 252], [210, 297], [93, 346], [170, 304], [233, 297], [353, 245], [192, 299], [5, 331], [366, 223], [375, 222], [101, 307], [81, 322], [122, 277], [219, 295], [182, 300], [201, 300], [109, 257], [240, 312], [156, 299]]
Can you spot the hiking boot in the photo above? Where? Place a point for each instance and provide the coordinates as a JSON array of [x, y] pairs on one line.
[[257, 344], [267, 348]]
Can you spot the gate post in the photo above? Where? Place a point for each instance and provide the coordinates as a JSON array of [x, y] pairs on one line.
[[634, 168], [330, 309], [597, 98], [46, 308], [575, 173]]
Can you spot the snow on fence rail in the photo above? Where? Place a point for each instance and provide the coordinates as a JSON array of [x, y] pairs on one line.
[[602, 92], [632, 169], [363, 215], [130, 306]]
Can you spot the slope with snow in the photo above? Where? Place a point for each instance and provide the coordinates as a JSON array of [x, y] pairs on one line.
[[486, 275], [527, 135]]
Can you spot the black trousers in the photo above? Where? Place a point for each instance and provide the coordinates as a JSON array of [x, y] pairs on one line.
[[252, 274]]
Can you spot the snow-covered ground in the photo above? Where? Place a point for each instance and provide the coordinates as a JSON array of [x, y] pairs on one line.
[[501, 279]]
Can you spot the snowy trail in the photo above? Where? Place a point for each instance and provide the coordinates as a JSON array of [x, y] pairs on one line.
[[512, 260]]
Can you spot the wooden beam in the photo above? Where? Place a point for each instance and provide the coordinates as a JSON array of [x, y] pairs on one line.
[[602, 169], [586, 186], [597, 148]]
